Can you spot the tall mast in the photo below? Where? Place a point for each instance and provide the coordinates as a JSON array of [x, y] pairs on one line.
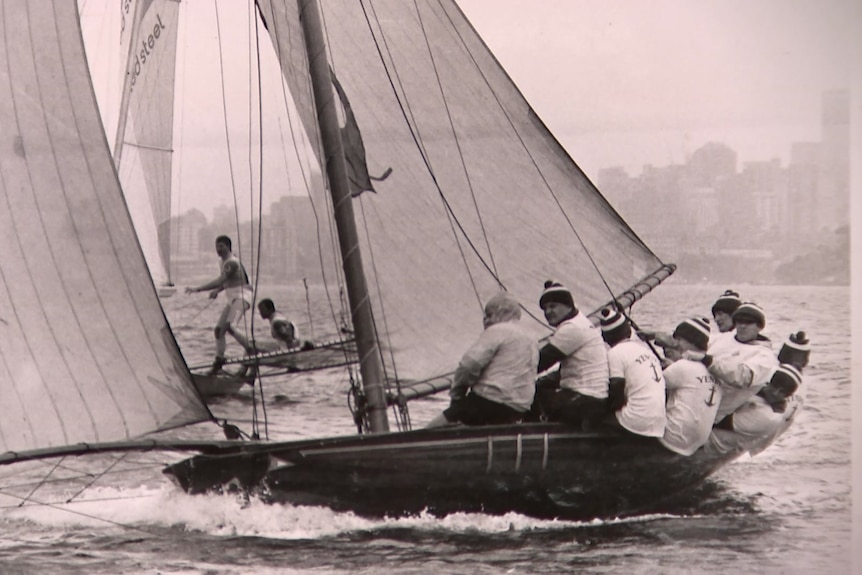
[[370, 364]]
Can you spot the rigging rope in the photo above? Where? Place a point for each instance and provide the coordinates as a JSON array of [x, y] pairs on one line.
[[42, 482], [404, 106], [97, 477], [259, 203], [455, 136], [533, 160], [380, 347], [306, 178], [231, 169], [413, 126]]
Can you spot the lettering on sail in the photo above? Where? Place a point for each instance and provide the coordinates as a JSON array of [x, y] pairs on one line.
[[124, 11], [148, 48]]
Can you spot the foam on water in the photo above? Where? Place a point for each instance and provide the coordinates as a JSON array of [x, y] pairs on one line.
[[142, 508]]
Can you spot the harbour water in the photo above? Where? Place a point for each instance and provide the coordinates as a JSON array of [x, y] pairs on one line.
[[787, 510]]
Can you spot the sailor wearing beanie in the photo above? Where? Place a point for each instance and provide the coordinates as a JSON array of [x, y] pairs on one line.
[[723, 308], [742, 364], [637, 386], [693, 393], [761, 418], [577, 394]]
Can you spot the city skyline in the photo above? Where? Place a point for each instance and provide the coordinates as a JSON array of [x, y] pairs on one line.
[[795, 150], [617, 84]]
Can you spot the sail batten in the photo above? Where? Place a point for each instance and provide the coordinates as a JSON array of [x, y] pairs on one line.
[[86, 351]]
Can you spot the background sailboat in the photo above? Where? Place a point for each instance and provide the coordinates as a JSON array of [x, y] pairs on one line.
[[143, 150]]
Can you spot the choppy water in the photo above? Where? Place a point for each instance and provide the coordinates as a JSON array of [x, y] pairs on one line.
[[788, 510]]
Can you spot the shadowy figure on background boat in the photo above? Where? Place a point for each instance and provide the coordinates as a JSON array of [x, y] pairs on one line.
[[577, 392], [494, 381], [233, 280], [636, 390], [284, 332]]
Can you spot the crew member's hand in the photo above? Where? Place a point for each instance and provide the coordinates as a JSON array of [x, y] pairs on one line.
[[693, 355], [646, 335]]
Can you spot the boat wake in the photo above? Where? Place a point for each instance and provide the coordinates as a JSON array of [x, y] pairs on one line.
[[156, 509]]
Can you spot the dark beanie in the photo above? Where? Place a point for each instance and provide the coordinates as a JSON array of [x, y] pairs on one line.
[[795, 350], [694, 330], [751, 310], [787, 378], [727, 302], [555, 292]]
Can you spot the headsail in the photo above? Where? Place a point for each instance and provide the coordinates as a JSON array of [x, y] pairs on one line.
[[481, 194], [86, 354], [143, 149]]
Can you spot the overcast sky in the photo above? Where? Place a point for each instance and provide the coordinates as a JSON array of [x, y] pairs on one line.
[[619, 82], [632, 82]]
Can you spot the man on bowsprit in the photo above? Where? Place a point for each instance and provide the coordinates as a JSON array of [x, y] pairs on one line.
[[233, 280]]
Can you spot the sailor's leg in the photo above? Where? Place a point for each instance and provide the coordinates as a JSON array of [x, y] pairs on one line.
[[219, 332], [245, 342], [238, 307]]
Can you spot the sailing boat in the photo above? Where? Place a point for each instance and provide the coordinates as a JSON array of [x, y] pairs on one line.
[[143, 146], [479, 196]]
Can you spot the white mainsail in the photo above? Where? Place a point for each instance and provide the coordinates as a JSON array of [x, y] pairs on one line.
[[86, 354], [143, 149], [481, 195]]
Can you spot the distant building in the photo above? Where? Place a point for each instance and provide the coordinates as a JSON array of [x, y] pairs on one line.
[[711, 163], [833, 179], [717, 220], [616, 185], [766, 185], [802, 183]]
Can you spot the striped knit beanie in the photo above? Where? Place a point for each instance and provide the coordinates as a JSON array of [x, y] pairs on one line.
[[795, 350], [752, 311], [727, 302], [694, 330], [555, 292], [614, 325], [787, 378]]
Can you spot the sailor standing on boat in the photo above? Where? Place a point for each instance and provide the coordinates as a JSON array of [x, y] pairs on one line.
[[233, 280], [493, 383]]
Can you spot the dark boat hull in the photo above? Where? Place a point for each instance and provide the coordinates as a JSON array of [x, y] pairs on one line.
[[542, 470], [221, 383]]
